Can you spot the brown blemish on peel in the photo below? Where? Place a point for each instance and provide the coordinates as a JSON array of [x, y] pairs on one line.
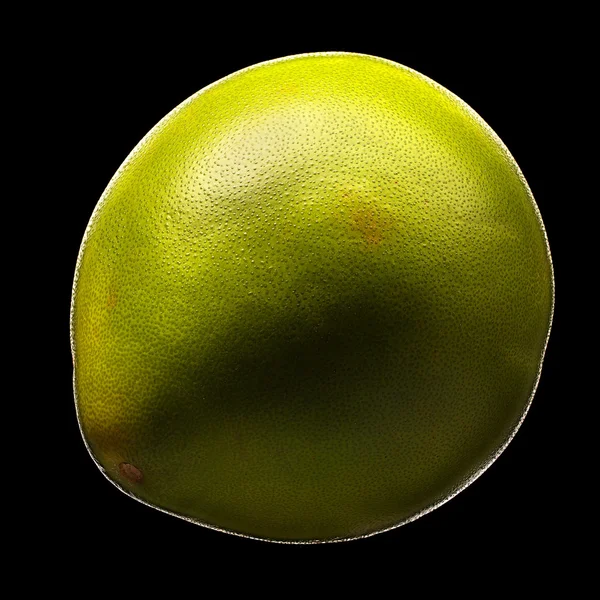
[[289, 89], [131, 473], [367, 223], [365, 214], [112, 299]]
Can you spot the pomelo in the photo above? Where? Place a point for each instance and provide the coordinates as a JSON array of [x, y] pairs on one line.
[[312, 304]]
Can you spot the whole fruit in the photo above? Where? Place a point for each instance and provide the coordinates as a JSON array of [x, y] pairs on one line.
[[312, 304]]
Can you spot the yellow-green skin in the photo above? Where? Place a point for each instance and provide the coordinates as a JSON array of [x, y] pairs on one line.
[[312, 304]]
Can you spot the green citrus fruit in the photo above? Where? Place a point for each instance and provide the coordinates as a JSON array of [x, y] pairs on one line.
[[312, 304]]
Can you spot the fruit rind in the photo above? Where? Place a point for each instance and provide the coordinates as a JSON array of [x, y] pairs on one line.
[[472, 477]]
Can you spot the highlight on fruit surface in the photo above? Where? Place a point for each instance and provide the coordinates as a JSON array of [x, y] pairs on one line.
[[312, 305]]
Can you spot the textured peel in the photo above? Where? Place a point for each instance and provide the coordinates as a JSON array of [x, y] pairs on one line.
[[312, 304]]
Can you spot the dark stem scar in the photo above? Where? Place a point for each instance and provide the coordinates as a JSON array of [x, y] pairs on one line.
[[131, 473]]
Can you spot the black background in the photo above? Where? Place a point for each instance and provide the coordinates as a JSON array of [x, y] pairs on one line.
[[108, 89]]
